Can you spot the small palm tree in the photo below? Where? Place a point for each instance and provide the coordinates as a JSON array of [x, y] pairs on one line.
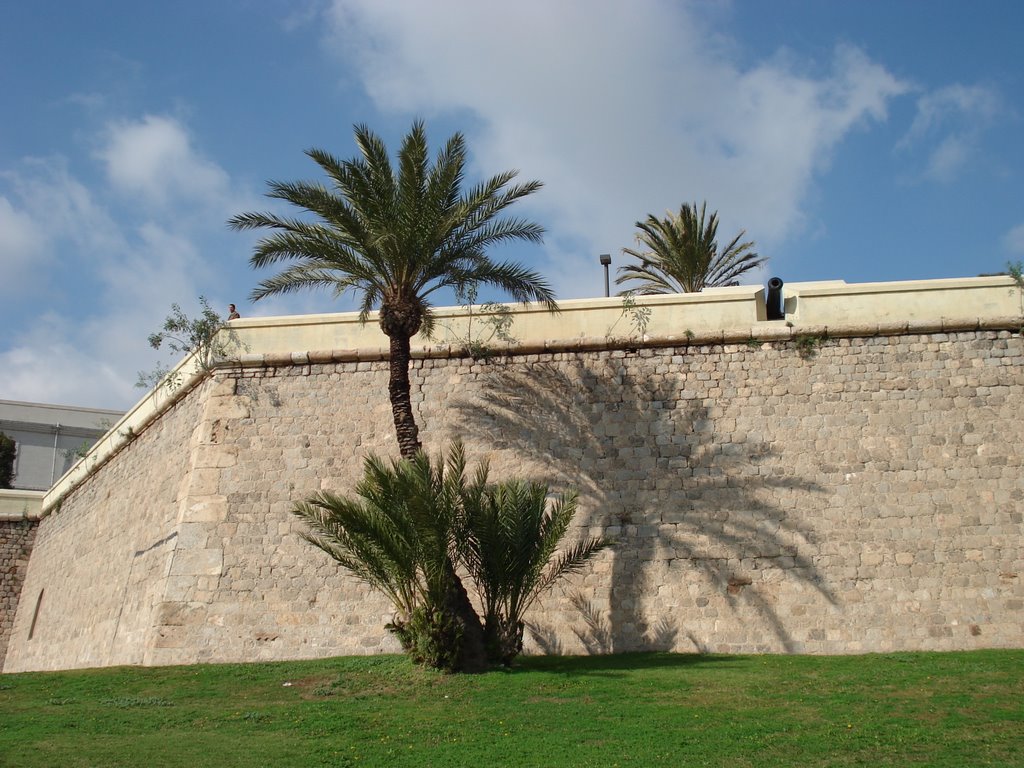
[[395, 237], [680, 254], [512, 531], [415, 519], [399, 537]]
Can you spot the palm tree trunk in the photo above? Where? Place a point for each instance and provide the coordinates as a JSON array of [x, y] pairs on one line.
[[474, 653], [474, 650], [401, 401]]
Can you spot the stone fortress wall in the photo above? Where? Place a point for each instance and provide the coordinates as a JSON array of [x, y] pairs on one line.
[[19, 517], [844, 481]]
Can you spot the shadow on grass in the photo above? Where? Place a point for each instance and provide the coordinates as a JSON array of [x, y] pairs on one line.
[[614, 664], [652, 470]]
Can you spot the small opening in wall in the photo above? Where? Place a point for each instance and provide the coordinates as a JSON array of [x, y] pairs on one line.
[[35, 614]]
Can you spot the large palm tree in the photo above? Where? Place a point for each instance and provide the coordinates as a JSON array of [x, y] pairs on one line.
[[394, 237], [680, 254]]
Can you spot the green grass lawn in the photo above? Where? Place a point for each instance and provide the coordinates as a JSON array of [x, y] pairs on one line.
[[935, 709]]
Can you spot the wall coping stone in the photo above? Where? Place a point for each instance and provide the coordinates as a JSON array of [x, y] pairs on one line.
[[16, 504], [732, 315]]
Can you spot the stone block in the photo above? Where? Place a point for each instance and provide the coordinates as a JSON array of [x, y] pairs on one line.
[[180, 614], [204, 562], [192, 535], [201, 482], [206, 509], [214, 456], [177, 637], [228, 409]]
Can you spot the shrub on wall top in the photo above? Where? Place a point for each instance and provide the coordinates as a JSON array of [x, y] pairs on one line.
[[7, 453]]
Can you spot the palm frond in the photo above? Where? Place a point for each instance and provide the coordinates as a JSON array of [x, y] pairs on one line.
[[399, 534], [374, 546], [522, 284], [512, 531], [397, 230], [680, 254], [571, 560], [393, 236]]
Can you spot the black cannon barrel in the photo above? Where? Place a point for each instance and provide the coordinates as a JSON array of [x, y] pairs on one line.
[[774, 302]]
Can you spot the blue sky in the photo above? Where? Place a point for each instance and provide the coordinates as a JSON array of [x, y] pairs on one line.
[[860, 141]]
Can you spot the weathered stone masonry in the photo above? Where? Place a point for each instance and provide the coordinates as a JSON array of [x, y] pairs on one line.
[[857, 494], [830, 487], [16, 537]]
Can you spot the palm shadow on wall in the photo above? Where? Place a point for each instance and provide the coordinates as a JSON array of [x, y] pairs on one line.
[[649, 471]]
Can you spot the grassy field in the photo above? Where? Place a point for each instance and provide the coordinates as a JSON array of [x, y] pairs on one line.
[[955, 709]]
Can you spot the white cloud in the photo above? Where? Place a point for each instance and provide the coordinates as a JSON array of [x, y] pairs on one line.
[[62, 206], [947, 159], [154, 158], [1013, 241], [952, 103], [54, 363], [23, 251], [93, 360], [949, 122], [621, 109], [44, 208], [118, 269], [301, 14]]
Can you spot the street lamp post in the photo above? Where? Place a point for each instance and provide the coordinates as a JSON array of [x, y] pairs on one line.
[[606, 259]]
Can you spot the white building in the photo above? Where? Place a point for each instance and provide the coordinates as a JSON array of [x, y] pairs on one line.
[[49, 439]]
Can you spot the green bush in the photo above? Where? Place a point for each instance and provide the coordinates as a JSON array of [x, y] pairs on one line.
[[7, 453], [416, 522], [510, 536]]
